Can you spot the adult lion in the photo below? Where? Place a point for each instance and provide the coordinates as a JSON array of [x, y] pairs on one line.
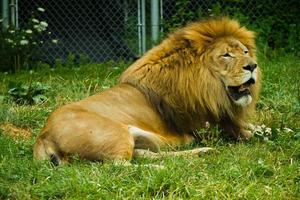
[[204, 72]]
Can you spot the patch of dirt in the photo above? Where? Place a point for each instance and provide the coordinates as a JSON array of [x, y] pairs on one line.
[[15, 132]]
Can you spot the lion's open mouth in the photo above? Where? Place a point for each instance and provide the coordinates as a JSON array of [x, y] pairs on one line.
[[236, 92]]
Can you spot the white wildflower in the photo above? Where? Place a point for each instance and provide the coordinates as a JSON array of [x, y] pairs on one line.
[[54, 41], [39, 28], [35, 20], [287, 130], [49, 33], [260, 161], [24, 42], [11, 31], [43, 24], [257, 129], [268, 131], [31, 72], [9, 40], [41, 9], [41, 42], [28, 31]]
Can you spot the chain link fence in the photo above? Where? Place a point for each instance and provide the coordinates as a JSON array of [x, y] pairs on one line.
[[94, 30], [104, 30]]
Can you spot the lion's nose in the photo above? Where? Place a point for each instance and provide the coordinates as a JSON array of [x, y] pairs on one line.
[[250, 67]]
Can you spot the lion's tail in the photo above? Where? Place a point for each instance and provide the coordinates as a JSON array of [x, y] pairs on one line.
[[47, 150]]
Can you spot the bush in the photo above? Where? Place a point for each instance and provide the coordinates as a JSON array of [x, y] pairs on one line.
[[275, 21], [18, 45]]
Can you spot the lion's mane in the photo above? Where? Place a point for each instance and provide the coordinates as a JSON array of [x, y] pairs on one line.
[[176, 78]]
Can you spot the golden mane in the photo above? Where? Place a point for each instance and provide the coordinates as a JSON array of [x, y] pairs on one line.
[[176, 78]]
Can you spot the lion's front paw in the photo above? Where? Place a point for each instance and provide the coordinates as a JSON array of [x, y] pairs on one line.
[[246, 134]]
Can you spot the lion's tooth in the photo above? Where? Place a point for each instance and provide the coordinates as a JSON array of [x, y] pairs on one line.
[[243, 88]]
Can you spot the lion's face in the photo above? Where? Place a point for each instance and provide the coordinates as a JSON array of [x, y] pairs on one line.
[[236, 67]]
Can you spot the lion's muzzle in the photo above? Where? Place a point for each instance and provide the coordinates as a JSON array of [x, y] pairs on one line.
[[237, 93]]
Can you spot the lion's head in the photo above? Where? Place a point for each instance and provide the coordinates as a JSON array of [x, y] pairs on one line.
[[206, 71], [232, 62]]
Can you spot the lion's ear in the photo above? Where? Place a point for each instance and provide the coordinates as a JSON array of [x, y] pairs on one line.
[[196, 39], [247, 38]]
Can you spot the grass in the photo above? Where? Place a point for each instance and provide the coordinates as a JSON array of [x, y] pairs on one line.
[[266, 167]]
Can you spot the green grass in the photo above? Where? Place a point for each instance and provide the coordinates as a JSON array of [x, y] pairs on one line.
[[258, 169]]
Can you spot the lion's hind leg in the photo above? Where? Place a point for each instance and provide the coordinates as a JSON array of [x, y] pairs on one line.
[[84, 134], [46, 150]]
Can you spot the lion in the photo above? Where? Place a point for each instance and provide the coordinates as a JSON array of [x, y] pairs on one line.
[[205, 72]]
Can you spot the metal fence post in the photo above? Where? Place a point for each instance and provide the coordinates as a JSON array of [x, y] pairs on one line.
[[12, 7], [161, 12], [142, 26], [154, 21], [17, 14], [4, 14]]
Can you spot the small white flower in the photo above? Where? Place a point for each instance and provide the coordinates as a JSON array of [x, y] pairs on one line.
[[268, 131], [34, 43], [287, 130], [49, 33], [41, 9], [41, 42], [28, 31], [11, 31], [39, 28], [35, 20], [31, 72], [260, 161], [24, 42], [43, 24], [9, 40], [54, 41]]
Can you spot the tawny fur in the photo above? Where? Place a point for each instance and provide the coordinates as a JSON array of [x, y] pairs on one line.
[[172, 91]]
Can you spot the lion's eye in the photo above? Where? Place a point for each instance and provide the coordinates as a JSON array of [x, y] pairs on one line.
[[246, 51], [227, 55]]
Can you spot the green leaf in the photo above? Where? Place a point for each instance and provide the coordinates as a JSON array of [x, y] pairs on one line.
[[39, 98]]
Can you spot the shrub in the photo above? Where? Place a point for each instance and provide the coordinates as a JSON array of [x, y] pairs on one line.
[[18, 45], [275, 21]]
